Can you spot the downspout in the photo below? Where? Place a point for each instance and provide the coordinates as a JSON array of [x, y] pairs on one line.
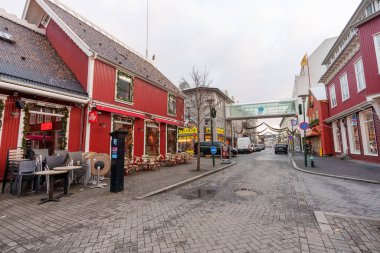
[[81, 129], [90, 83]]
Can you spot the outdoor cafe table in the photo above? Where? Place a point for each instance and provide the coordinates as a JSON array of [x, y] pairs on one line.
[[68, 169], [51, 174]]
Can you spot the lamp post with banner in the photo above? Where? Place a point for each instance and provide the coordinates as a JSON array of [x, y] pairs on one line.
[[212, 116]]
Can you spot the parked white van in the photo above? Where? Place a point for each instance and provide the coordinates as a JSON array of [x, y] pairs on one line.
[[244, 145]]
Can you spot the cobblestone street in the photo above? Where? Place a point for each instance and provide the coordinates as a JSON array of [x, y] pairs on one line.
[[259, 205]]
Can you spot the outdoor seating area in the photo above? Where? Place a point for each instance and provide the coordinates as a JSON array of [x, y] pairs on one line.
[[152, 163], [31, 171]]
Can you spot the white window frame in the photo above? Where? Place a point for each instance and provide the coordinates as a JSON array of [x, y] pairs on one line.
[[359, 73], [335, 129], [343, 79], [333, 96], [351, 139], [363, 131], [376, 41]]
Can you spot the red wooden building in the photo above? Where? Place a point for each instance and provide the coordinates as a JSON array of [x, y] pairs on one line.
[[319, 134], [41, 101], [125, 90], [353, 85]]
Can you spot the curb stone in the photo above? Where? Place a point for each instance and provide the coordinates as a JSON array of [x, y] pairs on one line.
[[330, 175], [186, 181]]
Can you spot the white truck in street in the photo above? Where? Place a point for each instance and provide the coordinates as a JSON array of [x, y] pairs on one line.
[[244, 145]]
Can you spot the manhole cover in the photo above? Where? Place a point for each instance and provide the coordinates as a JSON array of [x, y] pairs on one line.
[[247, 193]]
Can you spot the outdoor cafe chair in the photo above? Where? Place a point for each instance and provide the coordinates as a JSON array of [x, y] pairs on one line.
[[129, 167], [25, 171], [76, 159], [51, 162], [14, 157], [63, 153]]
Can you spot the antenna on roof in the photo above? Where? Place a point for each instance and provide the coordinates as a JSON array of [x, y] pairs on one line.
[[147, 28]]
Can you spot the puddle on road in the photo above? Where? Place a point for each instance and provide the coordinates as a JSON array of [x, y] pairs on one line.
[[199, 194], [244, 192]]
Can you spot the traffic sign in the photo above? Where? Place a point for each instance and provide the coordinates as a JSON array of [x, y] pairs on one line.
[[213, 150], [290, 137], [304, 125], [294, 122]]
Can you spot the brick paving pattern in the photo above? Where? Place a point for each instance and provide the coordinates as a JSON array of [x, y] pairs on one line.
[[203, 216]]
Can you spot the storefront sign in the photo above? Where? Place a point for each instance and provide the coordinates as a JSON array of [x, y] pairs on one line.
[[354, 120], [46, 126], [226, 154], [92, 117], [188, 131], [218, 130]]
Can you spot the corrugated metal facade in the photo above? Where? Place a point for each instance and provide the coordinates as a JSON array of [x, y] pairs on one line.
[[355, 97], [371, 71], [100, 138], [76, 122]]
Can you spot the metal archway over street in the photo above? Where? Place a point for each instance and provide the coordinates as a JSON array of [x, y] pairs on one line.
[[274, 109]]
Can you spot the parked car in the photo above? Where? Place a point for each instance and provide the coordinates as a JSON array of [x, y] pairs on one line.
[[262, 146], [244, 145], [234, 151], [206, 148], [280, 148], [256, 148]]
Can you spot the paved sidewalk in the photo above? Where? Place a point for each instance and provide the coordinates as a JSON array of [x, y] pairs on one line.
[[338, 167]]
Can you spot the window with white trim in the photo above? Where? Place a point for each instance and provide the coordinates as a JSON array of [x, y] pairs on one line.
[[360, 79], [353, 134], [367, 127], [344, 87], [336, 136], [333, 96], [376, 40]]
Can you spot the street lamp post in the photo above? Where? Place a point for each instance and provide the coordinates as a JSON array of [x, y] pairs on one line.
[[212, 115], [304, 131]]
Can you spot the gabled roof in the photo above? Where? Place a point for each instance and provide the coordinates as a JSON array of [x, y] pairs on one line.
[[319, 92], [109, 48], [32, 60]]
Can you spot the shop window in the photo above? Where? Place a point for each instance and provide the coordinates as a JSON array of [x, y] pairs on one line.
[[336, 136], [171, 136], [152, 139], [47, 116], [368, 132], [124, 87], [45, 134], [125, 124], [359, 71], [333, 96], [32, 119], [353, 134], [172, 104], [376, 39], [344, 87]]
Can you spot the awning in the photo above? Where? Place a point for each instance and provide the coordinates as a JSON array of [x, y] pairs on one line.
[[118, 111], [169, 122], [312, 132]]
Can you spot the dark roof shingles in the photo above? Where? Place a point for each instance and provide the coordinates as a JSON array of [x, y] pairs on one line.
[[112, 51], [33, 60]]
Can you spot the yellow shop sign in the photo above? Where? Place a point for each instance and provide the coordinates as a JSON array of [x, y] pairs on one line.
[[218, 130], [187, 131]]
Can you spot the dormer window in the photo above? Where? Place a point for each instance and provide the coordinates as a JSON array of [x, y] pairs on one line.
[[7, 37], [370, 9], [172, 104], [124, 87], [45, 20]]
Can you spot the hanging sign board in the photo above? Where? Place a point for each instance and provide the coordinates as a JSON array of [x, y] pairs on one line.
[[46, 126], [92, 117], [354, 120]]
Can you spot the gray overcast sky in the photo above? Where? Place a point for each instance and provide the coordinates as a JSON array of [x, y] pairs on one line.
[[251, 48]]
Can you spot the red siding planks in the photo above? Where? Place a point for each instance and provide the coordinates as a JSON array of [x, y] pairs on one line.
[[163, 139], [355, 97], [100, 138], [70, 53], [10, 132], [139, 137], [372, 76], [76, 123]]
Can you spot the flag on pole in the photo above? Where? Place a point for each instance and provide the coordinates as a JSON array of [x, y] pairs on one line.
[[304, 61]]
